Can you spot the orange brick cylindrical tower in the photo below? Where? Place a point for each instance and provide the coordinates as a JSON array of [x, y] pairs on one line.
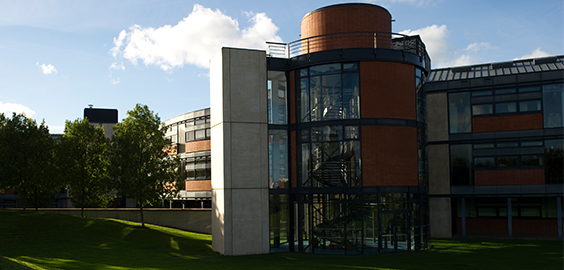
[[346, 26]]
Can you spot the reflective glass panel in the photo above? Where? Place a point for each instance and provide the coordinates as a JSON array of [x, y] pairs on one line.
[[278, 158], [461, 164], [482, 162], [553, 101], [482, 109], [507, 161], [528, 106], [508, 107], [460, 118], [277, 97]]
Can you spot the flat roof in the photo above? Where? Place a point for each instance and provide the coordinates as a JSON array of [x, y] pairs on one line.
[[552, 63]]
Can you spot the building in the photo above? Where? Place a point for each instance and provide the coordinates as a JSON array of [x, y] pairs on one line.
[[495, 134], [367, 150], [190, 135]]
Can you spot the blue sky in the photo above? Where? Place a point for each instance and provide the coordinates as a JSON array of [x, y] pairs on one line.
[[56, 57]]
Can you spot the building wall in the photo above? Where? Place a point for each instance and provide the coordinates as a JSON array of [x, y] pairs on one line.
[[239, 150]]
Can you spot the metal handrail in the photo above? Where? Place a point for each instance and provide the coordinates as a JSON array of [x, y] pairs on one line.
[[400, 42]]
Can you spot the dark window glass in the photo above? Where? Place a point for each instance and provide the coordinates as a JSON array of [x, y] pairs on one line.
[[483, 146], [189, 136], [481, 93], [482, 109], [200, 134], [504, 91], [208, 133], [533, 160], [534, 143], [554, 156], [351, 132], [278, 158], [325, 69], [529, 106], [461, 164], [529, 89], [276, 96], [460, 118], [190, 174], [325, 97], [482, 162], [303, 72], [304, 100], [553, 100], [350, 67], [508, 107], [351, 96], [509, 144], [200, 174], [507, 161]]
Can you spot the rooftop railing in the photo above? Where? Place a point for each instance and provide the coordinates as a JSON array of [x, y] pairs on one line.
[[384, 40]]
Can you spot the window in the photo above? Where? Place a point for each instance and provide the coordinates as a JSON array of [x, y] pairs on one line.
[[459, 113], [487, 162], [553, 100], [197, 168], [508, 107], [508, 161], [461, 164], [331, 157], [481, 93], [330, 92], [505, 91], [554, 155], [529, 106], [482, 109], [508, 144], [276, 97], [532, 160]]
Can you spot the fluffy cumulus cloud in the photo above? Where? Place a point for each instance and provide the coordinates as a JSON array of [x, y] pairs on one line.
[[9, 108], [535, 54], [47, 69], [194, 40], [442, 53]]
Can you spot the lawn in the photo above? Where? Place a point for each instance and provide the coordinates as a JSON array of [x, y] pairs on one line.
[[36, 240]]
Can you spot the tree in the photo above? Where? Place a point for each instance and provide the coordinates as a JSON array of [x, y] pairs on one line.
[[83, 151], [27, 160], [141, 169]]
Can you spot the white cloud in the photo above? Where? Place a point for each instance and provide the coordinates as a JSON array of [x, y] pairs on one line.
[[194, 40], [47, 69], [475, 47], [442, 53], [535, 54], [115, 65], [9, 108], [115, 81]]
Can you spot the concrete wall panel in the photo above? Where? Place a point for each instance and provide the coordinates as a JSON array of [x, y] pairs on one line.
[[439, 173], [440, 221], [437, 117]]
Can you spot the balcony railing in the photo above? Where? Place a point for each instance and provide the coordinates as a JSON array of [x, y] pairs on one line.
[[399, 42]]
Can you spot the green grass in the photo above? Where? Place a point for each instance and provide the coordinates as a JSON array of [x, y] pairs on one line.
[[50, 241]]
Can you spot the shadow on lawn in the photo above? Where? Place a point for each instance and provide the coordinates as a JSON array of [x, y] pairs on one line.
[[68, 242]]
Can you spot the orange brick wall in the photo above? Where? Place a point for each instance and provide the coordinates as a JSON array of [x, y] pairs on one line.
[[509, 177], [346, 19], [198, 185], [196, 146], [387, 90], [389, 156], [507, 123]]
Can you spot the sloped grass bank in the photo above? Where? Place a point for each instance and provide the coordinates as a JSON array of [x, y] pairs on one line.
[[36, 240]]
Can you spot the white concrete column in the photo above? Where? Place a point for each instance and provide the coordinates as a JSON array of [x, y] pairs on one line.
[[239, 142]]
